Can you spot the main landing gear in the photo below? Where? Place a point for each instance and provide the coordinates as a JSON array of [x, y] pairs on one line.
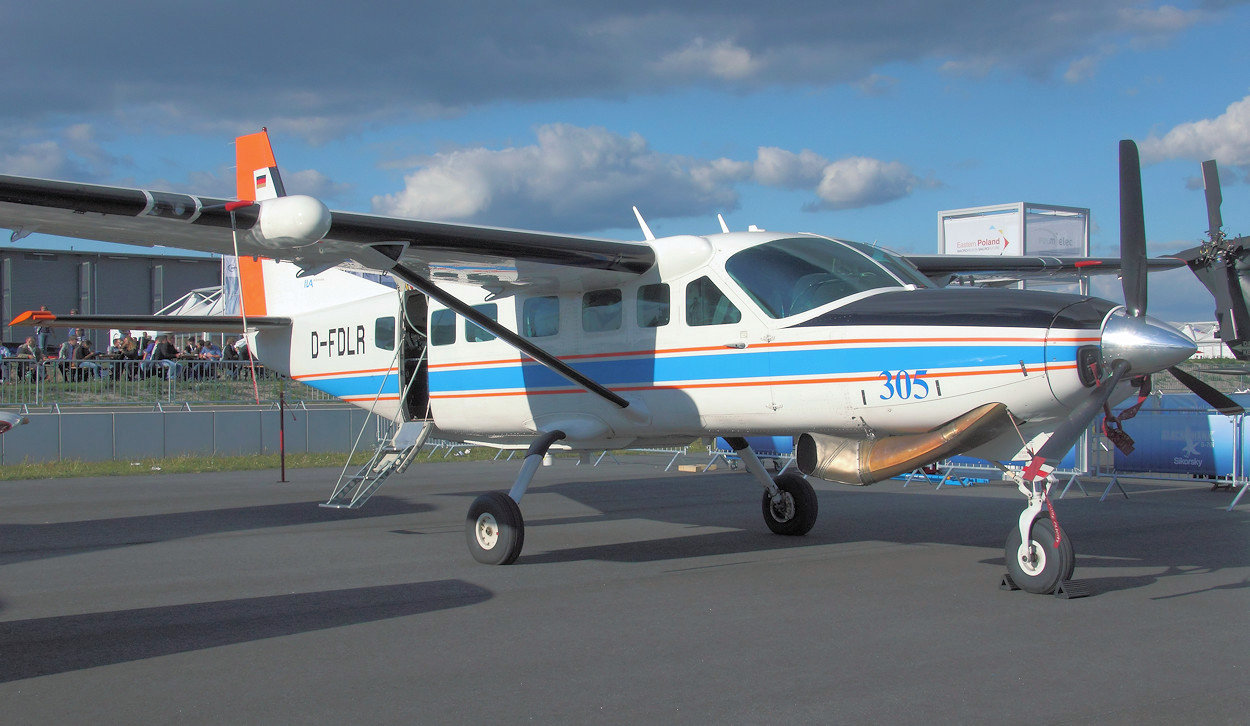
[[1039, 554], [789, 502], [494, 528]]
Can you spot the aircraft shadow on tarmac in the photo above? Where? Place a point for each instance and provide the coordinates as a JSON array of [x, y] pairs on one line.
[[45, 646], [1176, 530], [24, 542]]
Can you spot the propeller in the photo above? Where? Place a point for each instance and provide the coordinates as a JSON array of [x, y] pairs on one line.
[[1133, 256], [1131, 342], [1214, 398], [1132, 231], [1211, 189]]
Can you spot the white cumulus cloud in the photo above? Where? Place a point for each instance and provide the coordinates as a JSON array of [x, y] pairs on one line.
[[861, 182], [577, 179], [1225, 138]]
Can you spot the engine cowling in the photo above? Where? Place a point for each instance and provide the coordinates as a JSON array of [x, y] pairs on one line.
[[294, 221]]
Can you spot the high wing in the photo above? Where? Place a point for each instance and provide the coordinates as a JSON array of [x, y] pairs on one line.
[[170, 323], [302, 230], [984, 268], [440, 250]]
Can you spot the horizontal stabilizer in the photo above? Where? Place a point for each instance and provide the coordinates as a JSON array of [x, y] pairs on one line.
[[170, 323]]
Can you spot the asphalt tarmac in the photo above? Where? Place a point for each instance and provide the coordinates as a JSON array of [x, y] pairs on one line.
[[640, 597]]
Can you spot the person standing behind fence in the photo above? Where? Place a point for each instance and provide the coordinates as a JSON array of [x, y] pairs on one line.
[[41, 334], [230, 358], [78, 333]]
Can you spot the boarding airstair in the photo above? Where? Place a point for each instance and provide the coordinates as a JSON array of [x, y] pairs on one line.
[[391, 457]]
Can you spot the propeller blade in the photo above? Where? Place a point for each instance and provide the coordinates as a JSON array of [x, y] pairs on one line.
[[1229, 370], [1214, 398], [1132, 231], [1065, 437], [1211, 184]]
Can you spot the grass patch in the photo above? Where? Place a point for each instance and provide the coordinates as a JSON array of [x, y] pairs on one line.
[[74, 468]]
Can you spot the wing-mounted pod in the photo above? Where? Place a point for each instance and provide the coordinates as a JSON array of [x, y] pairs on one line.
[[289, 222], [864, 461]]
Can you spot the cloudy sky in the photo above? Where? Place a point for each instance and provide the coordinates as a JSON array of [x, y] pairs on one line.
[[850, 119]]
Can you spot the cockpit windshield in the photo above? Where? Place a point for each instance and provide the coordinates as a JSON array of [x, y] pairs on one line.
[[789, 276]]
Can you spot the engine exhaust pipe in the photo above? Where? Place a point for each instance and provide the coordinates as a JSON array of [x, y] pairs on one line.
[[865, 461]]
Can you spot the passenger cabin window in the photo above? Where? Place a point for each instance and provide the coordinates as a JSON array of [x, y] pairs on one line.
[[652, 309], [601, 310], [442, 327], [474, 333], [790, 276], [707, 305], [384, 333], [540, 317]]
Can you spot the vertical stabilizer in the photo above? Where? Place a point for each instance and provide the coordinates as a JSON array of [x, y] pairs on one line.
[[268, 287], [257, 177]]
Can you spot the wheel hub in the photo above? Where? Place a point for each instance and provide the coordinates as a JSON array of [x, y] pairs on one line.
[[783, 506], [1032, 558], [486, 531]]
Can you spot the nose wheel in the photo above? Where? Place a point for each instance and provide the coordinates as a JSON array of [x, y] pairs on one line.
[[1039, 565]]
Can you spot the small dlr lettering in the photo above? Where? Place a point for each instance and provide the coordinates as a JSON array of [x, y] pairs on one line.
[[338, 342]]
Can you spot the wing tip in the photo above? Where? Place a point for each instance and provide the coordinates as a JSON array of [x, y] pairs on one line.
[[33, 317]]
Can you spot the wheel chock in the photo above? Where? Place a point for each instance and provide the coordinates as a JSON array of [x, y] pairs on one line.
[[1072, 589], [1066, 589]]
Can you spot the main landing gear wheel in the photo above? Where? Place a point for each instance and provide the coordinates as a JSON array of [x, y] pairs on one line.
[[1039, 567], [794, 511], [494, 529]]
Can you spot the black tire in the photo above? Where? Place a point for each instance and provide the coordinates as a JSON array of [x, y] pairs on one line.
[[1041, 571], [795, 514], [1068, 552], [494, 529]]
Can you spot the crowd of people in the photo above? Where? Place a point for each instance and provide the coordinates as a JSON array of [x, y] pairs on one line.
[[127, 357]]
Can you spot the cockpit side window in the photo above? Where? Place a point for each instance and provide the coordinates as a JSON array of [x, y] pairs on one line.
[[900, 266], [707, 305], [789, 276]]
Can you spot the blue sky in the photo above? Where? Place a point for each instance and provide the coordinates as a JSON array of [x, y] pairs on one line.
[[831, 117]]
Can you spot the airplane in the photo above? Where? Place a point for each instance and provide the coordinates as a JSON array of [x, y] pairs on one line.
[[538, 341]]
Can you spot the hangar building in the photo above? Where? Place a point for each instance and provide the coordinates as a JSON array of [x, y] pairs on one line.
[[95, 282]]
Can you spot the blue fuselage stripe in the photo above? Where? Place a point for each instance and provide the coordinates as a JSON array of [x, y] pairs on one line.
[[748, 365], [352, 386]]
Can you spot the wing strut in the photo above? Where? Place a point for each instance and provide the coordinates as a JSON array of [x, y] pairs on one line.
[[516, 341]]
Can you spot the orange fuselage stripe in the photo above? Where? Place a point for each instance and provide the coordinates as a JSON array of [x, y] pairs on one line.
[[757, 346], [747, 384]]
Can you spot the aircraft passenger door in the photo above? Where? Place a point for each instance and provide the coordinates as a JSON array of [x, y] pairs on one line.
[[414, 364]]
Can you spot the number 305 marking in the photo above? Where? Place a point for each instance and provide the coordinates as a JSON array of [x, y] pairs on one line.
[[904, 385]]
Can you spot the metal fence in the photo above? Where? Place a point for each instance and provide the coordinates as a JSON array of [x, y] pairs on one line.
[[118, 382]]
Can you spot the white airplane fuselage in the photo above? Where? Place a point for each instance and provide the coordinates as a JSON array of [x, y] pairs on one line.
[[695, 352]]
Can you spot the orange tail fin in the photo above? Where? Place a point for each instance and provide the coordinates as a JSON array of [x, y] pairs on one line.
[[256, 179]]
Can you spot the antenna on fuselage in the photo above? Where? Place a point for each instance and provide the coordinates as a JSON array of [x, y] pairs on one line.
[[723, 227], [646, 231]]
